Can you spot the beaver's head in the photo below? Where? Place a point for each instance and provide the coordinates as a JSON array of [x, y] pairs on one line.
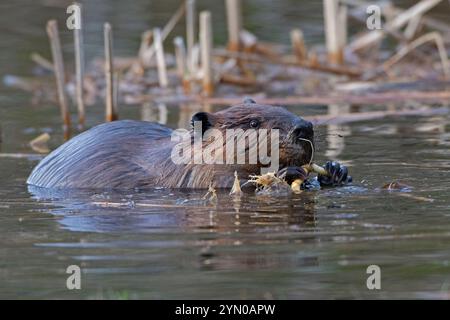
[[296, 135]]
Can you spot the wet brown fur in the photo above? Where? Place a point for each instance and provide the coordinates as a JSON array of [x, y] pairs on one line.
[[137, 154]]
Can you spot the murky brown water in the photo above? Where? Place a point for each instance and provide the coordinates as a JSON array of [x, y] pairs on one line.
[[170, 244]]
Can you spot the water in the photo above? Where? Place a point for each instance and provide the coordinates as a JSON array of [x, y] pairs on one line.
[[172, 244]]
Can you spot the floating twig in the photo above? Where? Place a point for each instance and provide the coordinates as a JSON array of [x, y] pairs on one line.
[[367, 99], [31, 156], [252, 58], [41, 61], [238, 81], [39, 144], [371, 115]]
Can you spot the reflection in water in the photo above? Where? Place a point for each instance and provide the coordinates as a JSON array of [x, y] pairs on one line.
[[145, 210], [185, 113], [336, 133], [217, 223], [154, 112], [172, 244]]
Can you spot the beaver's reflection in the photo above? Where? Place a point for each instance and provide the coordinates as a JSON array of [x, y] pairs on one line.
[[259, 233], [229, 232]]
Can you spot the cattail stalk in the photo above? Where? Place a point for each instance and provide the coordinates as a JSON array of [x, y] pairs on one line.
[[111, 108], [298, 44], [53, 34], [206, 52], [190, 32], [79, 71], [234, 22], [160, 59], [334, 49]]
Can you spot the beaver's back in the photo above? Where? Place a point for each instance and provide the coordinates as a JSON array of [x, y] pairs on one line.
[[112, 155]]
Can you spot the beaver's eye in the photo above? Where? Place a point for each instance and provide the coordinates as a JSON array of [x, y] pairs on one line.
[[254, 123]]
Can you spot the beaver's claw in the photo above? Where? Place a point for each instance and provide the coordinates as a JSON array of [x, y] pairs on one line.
[[338, 175], [289, 174]]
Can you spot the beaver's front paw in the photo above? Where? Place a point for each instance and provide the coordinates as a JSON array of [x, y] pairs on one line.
[[338, 175], [289, 174]]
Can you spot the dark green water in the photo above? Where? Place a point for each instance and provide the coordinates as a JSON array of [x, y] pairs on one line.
[[168, 244]]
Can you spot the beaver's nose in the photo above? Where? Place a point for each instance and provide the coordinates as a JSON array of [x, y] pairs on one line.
[[303, 130]]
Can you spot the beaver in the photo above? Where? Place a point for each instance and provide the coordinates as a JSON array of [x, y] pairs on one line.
[[130, 154]]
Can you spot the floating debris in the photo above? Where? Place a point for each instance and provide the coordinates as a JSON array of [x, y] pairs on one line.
[[39, 144], [211, 195], [268, 183], [404, 191], [396, 186], [236, 189]]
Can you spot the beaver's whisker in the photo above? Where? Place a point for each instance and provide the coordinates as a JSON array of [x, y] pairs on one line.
[[328, 135], [312, 148]]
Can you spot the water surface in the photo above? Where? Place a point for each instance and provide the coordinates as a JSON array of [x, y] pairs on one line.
[[172, 244]]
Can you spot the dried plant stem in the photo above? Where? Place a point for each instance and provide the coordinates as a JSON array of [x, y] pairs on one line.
[[298, 44], [236, 189], [160, 59], [40, 60], [332, 31], [111, 112], [145, 52], [206, 52], [400, 20], [234, 22], [432, 36], [58, 65], [79, 71], [296, 184], [190, 32]]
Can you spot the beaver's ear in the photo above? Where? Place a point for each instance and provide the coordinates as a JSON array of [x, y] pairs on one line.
[[205, 118], [248, 100]]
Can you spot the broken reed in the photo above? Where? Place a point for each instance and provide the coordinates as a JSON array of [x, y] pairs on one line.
[[206, 52], [181, 62], [111, 108], [298, 44], [160, 59], [58, 65], [79, 70], [333, 31], [234, 23], [190, 33], [296, 184], [335, 13]]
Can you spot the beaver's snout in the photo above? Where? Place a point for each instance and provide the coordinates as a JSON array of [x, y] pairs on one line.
[[302, 131], [299, 147]]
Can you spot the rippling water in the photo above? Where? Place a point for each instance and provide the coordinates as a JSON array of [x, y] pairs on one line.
[[174, 244]]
